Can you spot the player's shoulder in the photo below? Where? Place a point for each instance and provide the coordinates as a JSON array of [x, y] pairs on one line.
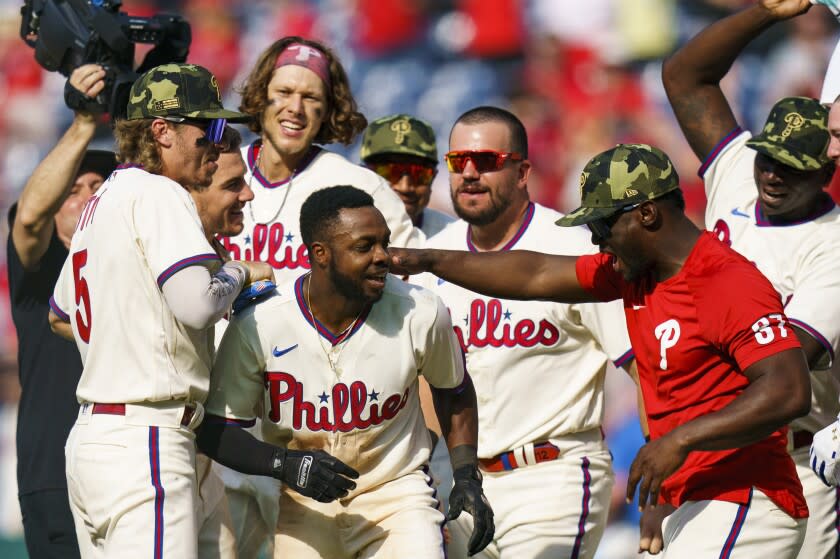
[[343, 171], [719, 268], [452, 236], [415, 299], [544, 235], [277, 303]]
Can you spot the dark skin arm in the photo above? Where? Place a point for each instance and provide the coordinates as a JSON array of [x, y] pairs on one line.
[[515, 274], [458, 416], [779, 392], [692, 75], [813, 349]]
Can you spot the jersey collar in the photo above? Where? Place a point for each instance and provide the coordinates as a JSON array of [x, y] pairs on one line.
[[526, 221], [322, 330], [254, 152]]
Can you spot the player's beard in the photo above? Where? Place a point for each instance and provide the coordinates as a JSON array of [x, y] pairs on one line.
[[349, 287], [499, 202]]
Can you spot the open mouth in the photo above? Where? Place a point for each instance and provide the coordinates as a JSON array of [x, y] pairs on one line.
[[292, 128]]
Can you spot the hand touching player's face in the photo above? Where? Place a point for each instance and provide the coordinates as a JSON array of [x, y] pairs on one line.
[[67, 216], [358, 254], [480, 198], [220, 205], [787, 193], [297, 104]]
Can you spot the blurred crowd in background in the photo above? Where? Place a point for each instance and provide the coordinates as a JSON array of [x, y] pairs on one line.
[[582, 76]]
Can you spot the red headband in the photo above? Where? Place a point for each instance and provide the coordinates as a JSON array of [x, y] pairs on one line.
[[308, 57]]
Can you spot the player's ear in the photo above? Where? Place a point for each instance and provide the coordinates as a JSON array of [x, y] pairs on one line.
[[163, 132], [319, 253], [649, 214]]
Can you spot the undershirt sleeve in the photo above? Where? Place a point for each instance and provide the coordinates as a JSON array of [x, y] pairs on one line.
[[198, 299]]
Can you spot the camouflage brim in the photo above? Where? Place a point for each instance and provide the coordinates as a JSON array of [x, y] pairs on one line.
[[584, 215], [795, 134], [183, 90], [787, 154]]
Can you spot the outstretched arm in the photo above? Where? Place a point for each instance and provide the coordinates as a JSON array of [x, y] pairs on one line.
[[53, 178], [692, 75], [516, 274]]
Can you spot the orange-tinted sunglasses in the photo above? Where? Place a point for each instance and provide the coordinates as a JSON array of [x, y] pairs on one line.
[[484, 160], [418, 173]]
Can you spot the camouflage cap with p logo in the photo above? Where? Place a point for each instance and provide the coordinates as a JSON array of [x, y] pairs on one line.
[[622, 176], [795, 134], [399, 134], [184, 90]]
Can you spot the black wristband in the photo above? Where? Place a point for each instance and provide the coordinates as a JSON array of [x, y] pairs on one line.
[[463, 455], [647, 438]]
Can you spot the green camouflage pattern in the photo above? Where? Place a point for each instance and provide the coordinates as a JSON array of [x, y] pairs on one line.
[[183, 90], [399, 134], [795, 134], [622, 176]]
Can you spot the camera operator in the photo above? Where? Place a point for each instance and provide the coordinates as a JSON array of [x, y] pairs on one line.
[[41, 225]]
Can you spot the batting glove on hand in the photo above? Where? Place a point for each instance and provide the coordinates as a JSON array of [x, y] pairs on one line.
[[253, 293], [467, 495], [824, 453], [833, 5], [314, 474]]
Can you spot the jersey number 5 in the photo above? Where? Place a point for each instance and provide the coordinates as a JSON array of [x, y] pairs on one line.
[[82, 295], [763, 328]]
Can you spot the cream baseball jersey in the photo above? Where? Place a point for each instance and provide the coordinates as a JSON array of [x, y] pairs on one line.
[[538, 367], [352, 395], [133, 235], [800, 260], [272, 218], [433, 222]]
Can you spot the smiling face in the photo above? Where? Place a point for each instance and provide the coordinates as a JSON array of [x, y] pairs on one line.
[[220, 204], [358, 254], [481, 198], [786, 193], [297, 106]]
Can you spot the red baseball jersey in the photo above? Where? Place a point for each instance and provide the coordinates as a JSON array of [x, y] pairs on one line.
[[693, 335]]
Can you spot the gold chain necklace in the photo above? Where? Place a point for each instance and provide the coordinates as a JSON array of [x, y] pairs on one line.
[[332, 361]]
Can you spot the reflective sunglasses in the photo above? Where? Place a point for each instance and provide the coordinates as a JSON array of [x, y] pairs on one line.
[[484, 161], [602, 228], [417, 173], [214, 128]]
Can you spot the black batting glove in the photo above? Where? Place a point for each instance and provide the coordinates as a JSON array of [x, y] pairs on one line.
[[467, 495], [314, 473]]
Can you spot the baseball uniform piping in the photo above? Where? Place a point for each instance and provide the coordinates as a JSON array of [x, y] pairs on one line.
[[737, 525]]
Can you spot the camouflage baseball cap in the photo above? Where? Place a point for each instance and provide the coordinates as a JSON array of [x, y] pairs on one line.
[[622, 176], [184, 90], [399, 134], [795, 134]]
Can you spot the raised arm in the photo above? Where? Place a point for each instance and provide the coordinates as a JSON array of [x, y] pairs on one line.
[[692, 75], [52, 180], [516, 274]]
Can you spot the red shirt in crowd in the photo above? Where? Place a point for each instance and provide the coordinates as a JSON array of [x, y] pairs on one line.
[[693, 335]]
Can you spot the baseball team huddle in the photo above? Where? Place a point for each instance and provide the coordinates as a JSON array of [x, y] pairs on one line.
[[268, 339]]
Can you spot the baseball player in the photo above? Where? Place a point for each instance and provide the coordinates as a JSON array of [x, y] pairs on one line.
[[331, 363], [546, 467], [298, 94], [720, 368], [766, 198], [139, 292], [402, 149]]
